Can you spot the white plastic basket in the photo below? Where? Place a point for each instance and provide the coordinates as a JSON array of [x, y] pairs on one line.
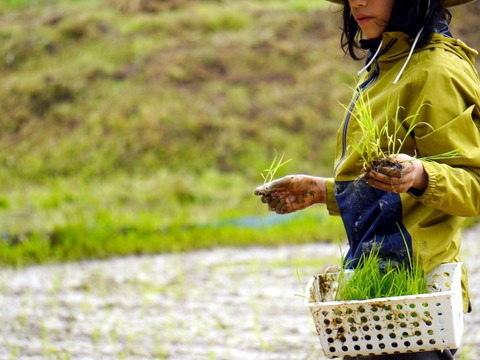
[[393, 325]]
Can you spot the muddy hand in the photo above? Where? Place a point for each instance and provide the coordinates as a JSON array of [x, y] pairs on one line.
[[292, 193], [411, 175]]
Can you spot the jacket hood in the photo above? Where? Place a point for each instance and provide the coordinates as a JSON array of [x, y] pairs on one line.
[[397, 45]]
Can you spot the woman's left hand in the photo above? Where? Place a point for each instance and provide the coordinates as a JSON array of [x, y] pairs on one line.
[[413, 175]]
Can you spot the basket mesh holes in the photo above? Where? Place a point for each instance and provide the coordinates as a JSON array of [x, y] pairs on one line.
[[351, 320], [355, 338], [365, 328], [364, 319], [353, 329], [368, 337], [430, 332], [392, 335], [394, 345], [380, 337], [407, 343], [376, 318], [425, 304], [378, 327], [405, 334], [412, 306], [338, 320], [374, 309], [381, 346], [414, 314], [387, 308], [390, 326], [341, 330], [416, 324], [432, 341], [389, 317], [330, 340], [356, 347], [361, 309], [446, 274], [399, 307], [428, 323], [343, 339], [448, 284], [369, 346], [427, 313], [324, 313], [418, 333], [328, 331], [401, 315], [403, 325], [349, 311], [332, 349], [344, 348], [419, 342], [326, 322]]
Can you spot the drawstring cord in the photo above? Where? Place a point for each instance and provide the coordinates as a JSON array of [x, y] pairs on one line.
[[371, 60], [409, 56], [413, 47]]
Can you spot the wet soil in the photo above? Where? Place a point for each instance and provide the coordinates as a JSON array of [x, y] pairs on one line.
[[225, 303]]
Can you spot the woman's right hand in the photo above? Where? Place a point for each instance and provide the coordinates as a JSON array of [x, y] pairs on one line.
[[292, 193]]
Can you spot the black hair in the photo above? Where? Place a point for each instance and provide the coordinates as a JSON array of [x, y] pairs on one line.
[[408, 16]]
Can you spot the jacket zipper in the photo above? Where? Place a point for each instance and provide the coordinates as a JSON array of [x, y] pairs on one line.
[[371, 80]]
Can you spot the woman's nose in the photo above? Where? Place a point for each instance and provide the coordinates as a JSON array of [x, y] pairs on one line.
[[358, 3]]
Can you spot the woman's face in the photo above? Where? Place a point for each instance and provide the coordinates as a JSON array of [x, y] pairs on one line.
[[371, 15]]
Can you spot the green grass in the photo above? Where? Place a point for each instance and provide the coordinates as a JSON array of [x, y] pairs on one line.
[[64, 220], [129, 131]]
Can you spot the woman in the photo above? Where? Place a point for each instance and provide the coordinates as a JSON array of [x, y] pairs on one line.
[[412, 61]]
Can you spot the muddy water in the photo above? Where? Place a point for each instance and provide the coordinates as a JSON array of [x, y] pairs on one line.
[[221, 304]]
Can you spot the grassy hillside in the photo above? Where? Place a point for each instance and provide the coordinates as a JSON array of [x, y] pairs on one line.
[[142, 126]]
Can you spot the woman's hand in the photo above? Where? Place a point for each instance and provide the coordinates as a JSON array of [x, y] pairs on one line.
[[413, 176], [292, 193]]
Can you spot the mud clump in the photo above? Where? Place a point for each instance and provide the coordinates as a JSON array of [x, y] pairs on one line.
[[389, 166]]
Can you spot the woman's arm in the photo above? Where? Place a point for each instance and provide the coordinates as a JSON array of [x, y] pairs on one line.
[[292, 193]]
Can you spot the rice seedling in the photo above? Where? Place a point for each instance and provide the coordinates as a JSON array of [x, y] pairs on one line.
[[370, 281], [269, 174], [375, 277], [375, 156]]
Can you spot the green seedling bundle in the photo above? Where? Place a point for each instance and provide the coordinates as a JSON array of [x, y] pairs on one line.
[[384, 159], [269, 174], [375, 277]]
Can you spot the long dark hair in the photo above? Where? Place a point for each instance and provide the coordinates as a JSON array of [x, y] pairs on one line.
[[408, 16]]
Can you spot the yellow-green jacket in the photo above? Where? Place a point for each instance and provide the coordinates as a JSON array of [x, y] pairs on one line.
[[441, 75]]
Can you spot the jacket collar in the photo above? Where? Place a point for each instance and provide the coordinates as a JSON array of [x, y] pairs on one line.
[[441, 27]]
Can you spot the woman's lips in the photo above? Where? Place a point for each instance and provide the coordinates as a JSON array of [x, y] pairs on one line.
[[363, 19]]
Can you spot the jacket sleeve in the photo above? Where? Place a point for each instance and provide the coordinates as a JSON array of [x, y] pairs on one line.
[[330, 196], [453, 112]]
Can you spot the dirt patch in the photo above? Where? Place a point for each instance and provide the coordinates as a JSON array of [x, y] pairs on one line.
[[226, 303]]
